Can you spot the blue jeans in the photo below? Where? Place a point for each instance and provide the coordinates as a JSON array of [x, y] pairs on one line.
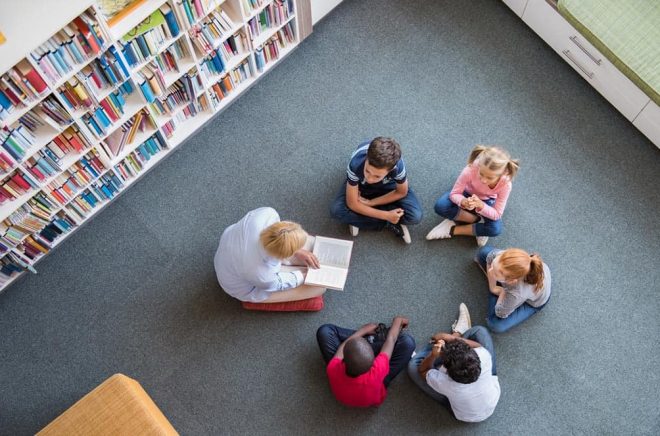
[[330, 337], [447, 209], [522, 313], [410, 204], [477, 333]]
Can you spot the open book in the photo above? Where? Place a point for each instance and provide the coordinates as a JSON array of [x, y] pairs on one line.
[[334, 256]]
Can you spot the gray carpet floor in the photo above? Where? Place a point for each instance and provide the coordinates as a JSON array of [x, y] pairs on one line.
[[134, 291]]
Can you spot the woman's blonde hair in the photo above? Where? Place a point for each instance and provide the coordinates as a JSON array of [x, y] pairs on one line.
[[495, 159], [518, 264], [282, 239]]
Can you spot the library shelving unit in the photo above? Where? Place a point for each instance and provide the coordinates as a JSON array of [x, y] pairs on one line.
[[89, 108]]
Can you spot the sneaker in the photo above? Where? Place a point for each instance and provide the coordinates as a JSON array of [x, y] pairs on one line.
[[399, 230], [354, 230], [441, 231], [482, 240], [463, 323]]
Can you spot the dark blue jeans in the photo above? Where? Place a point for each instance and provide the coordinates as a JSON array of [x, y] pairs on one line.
[[410, 204], [477, 333], [522, 313], [447, 209], [330, 337]]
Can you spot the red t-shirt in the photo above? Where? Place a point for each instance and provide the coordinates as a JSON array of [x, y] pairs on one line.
[[362, 391]]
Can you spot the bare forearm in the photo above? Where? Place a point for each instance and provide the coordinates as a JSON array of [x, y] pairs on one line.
[[427, 364], [369, 211], [388, 198], [392, 336]]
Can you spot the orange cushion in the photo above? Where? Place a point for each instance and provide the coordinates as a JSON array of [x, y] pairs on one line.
[[310, 305]]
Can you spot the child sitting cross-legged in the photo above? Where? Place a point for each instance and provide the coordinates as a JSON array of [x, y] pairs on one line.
[[361, 364], [458, 370]]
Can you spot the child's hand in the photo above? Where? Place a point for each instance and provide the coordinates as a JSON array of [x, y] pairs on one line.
[[466, 204], [395, 215], [401, 320], [476, 202], [497, 290], [437, 347], [368, 329]]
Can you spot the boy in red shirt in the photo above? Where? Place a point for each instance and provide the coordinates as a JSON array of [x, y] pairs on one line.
[[357, 378]]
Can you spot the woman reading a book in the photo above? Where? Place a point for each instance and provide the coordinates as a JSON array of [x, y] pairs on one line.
[[248, 262]]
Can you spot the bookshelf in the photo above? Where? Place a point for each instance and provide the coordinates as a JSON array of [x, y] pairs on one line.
[[88, 108]]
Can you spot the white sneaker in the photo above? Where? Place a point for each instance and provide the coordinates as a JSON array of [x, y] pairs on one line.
[[441, 231], [406, 234], [482, 240], [354, 230], [463, 323]]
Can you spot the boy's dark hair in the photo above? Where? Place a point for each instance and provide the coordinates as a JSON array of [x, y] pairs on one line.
[[462, 362], [383, 152], [358, 356]]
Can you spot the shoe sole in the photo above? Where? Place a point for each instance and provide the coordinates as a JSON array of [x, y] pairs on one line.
[[406, 234]]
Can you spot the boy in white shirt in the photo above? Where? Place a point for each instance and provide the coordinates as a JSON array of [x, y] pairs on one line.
[[458, 370]]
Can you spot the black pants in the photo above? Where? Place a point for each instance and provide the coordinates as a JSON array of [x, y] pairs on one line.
[[330, 337]]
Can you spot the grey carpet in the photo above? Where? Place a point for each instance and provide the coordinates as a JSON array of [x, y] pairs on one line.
[[134, 291]]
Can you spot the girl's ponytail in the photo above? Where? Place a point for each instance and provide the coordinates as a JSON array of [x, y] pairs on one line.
[[512, 167], [535, 275], [476, 151]]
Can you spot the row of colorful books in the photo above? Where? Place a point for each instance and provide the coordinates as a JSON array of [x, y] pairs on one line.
[[273, 15], [109, 110], [145, 40], [16, 185], [46, 162], [114, 144], [78, 176], [152, 76], [16, 141], [183, 90], [19, 87], [105, 73], [189, 12], [131, 166], [215, 28], [223, 87], [99, 192], [252, 5], [76, 43], [187, 112], [270, 51], [52, 111]]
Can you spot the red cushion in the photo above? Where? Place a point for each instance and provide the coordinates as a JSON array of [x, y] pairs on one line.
[[310, 305]]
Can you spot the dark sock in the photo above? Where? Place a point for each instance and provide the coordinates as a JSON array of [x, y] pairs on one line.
[[451, 230]]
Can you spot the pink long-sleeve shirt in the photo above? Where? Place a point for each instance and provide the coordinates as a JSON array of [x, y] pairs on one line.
[[468, 181]]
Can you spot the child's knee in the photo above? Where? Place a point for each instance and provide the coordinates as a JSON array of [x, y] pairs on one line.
[[494, 228], [407, 342], [338, 209], [324, 331], [414, 216], [496, 325]]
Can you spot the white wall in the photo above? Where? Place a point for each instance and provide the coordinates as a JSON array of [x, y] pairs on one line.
[[321, 7]]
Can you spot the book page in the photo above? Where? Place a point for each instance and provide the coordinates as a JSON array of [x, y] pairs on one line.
[[328, 277], [333, 252]]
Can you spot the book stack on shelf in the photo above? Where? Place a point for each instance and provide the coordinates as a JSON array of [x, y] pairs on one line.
[[94, 107]]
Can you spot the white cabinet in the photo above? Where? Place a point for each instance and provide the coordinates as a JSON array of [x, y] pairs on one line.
[[648, 122], [320, 8], [517, 6], [584, 58]]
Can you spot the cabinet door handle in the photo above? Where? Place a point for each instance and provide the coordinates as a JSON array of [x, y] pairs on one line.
[[584, 49], [568, 54]]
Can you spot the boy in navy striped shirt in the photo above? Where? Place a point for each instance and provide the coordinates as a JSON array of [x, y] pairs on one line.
[[377, 195]]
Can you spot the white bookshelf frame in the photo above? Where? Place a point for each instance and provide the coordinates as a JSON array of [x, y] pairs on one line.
[[185, 129]]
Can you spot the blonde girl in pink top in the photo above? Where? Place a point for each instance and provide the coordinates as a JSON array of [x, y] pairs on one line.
[[475, 205]]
